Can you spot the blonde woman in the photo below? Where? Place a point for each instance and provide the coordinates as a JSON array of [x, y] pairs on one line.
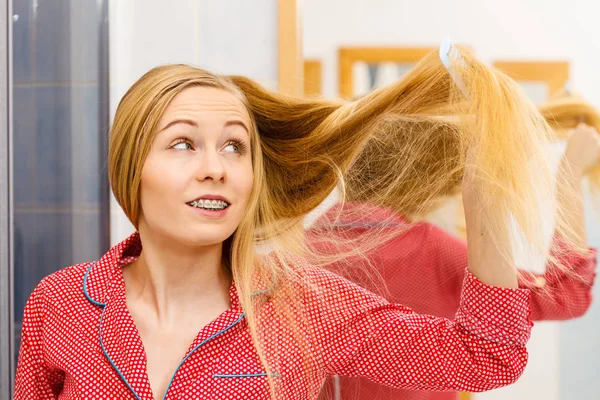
[[211, 297]]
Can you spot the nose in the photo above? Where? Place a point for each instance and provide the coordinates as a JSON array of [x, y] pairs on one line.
[[210, 167]]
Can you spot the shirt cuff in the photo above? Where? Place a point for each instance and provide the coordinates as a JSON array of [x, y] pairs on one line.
[[584, 265], [495, 314], [579, 266]]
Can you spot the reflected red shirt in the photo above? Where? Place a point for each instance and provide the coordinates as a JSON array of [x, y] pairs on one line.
[[423, 268]]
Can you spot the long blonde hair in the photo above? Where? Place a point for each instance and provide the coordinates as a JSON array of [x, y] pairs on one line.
[[435, 158], [302, 149]]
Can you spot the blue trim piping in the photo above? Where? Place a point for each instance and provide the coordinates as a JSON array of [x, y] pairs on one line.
[[111, 361], [373, 224], [244, 375], [85, 289], [103, 305], [198, 346], [369, 224]]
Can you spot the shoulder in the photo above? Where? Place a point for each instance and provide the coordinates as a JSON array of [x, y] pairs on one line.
[[61, 285], [326, 289], [67, 278], [367, 224]]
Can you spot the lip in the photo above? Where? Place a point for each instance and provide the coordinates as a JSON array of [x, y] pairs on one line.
[[211, 197], [209, 213]]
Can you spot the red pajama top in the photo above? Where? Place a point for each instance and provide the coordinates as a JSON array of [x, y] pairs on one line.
[[423, 268], [79, 341]]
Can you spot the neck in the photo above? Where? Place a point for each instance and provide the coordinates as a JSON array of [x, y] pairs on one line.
[[171, 278]]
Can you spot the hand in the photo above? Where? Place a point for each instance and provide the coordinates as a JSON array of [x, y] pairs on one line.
[[583, 149]]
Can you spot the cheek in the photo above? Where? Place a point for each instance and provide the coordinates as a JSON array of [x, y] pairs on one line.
[[249, 179], [159, 179], [151, 182], [245, 181]]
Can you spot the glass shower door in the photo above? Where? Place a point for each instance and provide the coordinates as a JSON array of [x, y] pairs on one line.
[[59, 196]]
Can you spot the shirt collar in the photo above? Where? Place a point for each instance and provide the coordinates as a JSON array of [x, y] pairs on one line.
[[105, 274]]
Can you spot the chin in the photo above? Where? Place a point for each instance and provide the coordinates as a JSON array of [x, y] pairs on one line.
[[205, 237], [192, 235]]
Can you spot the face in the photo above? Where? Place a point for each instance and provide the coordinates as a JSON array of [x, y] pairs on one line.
[[197, 178]]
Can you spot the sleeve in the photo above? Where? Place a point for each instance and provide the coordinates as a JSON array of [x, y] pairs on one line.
[[482, 349], [565, 292], [449, 255], [557, 294], [34, 380]]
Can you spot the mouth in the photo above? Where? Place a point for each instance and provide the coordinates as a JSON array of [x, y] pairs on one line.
[[210, 203]]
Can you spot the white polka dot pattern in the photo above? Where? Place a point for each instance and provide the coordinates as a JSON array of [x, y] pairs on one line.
[[424, 268], [80, 342]]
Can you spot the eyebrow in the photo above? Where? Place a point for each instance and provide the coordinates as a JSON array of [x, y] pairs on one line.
[[237, 122], [180, 121], [195, 125]]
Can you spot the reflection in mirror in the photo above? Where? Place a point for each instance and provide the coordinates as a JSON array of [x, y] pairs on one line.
[[313, 73], [540, 79], [363, 69], [539, 92], [553, 354], [370, 76]]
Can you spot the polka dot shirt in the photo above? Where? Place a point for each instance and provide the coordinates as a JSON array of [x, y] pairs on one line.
[[424, 269], [79, 341]]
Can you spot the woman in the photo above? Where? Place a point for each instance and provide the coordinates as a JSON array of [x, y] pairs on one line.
[[424, 267], [207, 168]]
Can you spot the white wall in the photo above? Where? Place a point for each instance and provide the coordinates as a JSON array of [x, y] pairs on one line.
[[144, 34], [240, 37], [232, 37], [507, 29]]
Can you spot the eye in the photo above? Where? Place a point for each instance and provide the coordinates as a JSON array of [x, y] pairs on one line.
[[182, 144], [232, 147], [235, 146]]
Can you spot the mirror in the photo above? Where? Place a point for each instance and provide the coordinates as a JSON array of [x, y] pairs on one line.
[[561, 353]]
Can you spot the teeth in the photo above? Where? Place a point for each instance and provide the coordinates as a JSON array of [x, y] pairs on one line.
[[210, 204]]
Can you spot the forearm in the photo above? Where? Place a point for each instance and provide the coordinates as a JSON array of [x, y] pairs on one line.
[[490, 256], [570, 199]]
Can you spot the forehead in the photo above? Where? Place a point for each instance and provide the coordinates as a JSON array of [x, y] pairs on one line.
[[201, 101]]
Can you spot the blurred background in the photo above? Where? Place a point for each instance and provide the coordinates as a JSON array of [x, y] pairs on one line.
[[65, 64]]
